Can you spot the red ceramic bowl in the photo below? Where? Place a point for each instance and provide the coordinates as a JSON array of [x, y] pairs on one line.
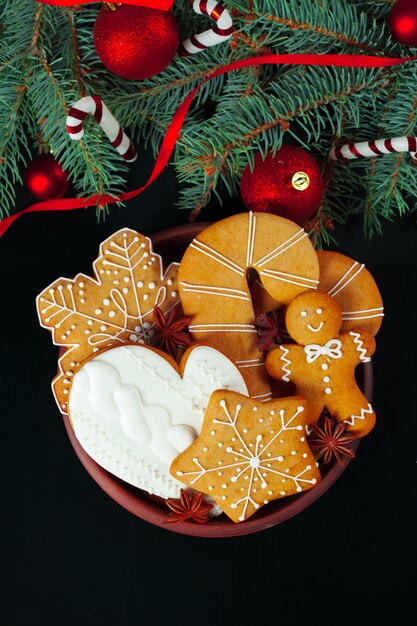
[[171, 244]]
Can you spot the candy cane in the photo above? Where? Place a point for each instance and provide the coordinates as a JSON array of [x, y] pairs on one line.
[[95, 106], [220, 32], [378, 147]]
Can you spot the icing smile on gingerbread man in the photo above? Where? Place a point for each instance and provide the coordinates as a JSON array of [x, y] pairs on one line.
[[307, 315], [322, 365]]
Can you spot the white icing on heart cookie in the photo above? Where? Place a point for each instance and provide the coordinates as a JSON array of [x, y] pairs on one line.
[[133, 413]]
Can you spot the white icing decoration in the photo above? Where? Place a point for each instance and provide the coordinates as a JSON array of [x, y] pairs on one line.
[[266, 396], [283, 247], [133, 413], [224, 292], [331, 349], [352, 316], [285, 368], [251, 238], [294, 279], [222, 328], [250, 363], [347, 277], [315, 330], [251, 465], [359, 347], [216, 256], [362, 416]]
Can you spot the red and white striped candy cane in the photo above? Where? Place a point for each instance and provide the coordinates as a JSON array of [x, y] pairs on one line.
[[95, 106], [378, 147], [221, 31]]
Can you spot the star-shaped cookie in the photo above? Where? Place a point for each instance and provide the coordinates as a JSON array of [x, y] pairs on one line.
[[249, 453]]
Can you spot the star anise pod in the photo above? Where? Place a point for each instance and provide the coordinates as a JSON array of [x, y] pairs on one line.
[[188, 506], [268, 330], [330, 439], [170, 332]]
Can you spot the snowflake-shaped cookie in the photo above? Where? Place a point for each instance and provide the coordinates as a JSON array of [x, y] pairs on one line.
[[249, 453], [87, 314]]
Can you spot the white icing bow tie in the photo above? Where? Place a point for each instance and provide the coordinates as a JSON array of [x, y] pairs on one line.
[[330, 349]]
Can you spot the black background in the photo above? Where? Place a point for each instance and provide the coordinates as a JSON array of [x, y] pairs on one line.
[[71, 555]]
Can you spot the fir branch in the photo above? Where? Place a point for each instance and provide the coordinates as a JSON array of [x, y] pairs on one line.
[[48, 63]]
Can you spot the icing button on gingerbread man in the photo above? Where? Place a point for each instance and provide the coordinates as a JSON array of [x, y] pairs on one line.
[[322, 363]]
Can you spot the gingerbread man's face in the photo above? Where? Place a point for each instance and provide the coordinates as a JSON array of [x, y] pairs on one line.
[[313, 317]]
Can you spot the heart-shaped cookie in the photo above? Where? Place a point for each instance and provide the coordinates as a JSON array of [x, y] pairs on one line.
[[134, 410]]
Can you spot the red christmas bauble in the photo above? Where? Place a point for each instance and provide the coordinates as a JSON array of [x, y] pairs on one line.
[[45, 178], [135, 42], [288, 184], [403, 22]]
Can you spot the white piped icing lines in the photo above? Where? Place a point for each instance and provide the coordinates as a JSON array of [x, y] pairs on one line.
[[307, 283], [221, 292], [347, 277], [216, 256], [222, 328], [248, 454], [263, 397], [359, 347], [283, 247], [86, 314], [364, 314], [362, 416], [286, 363], [250, 363]]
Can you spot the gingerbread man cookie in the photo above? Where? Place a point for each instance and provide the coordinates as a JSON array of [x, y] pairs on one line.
[[322, 365]]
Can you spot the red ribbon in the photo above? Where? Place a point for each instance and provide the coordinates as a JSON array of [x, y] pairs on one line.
[[168, 143], [163, 5]]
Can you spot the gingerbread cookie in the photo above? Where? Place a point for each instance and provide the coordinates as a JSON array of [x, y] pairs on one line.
[[87, 314], [322, 365], [353, 287], [349, 283], [249, 453], [133, 409], [214, 287]]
